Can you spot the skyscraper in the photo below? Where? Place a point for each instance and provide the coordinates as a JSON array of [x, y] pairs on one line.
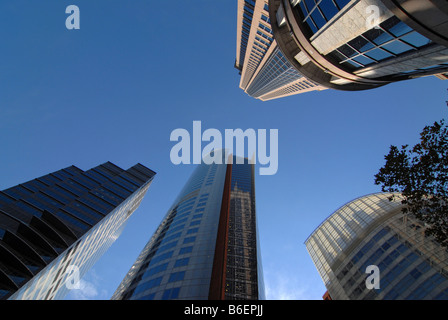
[[206, 246], [286, 47], [265, 72], [373, 231], [362, 44], [56, 227]]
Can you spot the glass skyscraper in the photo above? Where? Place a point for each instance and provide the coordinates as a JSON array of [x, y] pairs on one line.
[[206, 247], [61, 223], [373, 231], [265, 72]]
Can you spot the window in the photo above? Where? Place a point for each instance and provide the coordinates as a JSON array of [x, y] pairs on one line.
[[391, 39], [426, 287], [71, 220], [85, 181], [148, 297], [185, 250], [49, 179], [5, 198], [107, 196], [442, 296], [181, 262], [177, 228], [154, 270], [73, 187], [275, 73], [176, 276], [167, 246], [17, 192], [415, 39], [397, 47], [171, 237], [172, 293], [125, 176], [81, 215], [113, 168], [161, 257], [147, 285], [92, 174], [328, 9], [34, 185], [96, 203], [360, 44], [192, 230], [377, 36], [72, 170], [61, 174], [28, 208], [179, 221], [189, 239], [374, 55], [57, 196], [125, 184], [117, 189], [317, 13], [48, 200], [79, 206]]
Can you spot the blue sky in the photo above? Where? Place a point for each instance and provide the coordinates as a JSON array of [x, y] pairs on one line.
[[136, 70]]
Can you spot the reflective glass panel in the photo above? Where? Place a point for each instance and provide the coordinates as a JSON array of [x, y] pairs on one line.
[[361, 44], [378, 54], [347, 51], [328, 8], [318, 19], [397, 47], [400, 29], [377, 36], [363, 60], [416, 39]]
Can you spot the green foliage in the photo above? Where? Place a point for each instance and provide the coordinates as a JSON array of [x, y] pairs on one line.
[[420, 174]]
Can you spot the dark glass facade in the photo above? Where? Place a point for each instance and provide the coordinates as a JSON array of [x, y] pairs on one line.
[[46, 218], [206, 246], [242, 272]]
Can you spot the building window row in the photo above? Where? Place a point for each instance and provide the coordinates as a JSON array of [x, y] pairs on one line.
[[316, 13], [392, 38]]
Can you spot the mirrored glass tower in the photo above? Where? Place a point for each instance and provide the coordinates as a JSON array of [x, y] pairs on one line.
[[61, 223], [206, 246]]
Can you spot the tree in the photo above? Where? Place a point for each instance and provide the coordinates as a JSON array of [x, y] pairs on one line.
[[420, 174]]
